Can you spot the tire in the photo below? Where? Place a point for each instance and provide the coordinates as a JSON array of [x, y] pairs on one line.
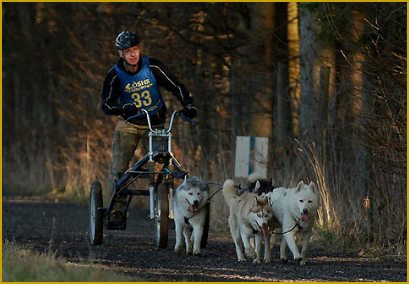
[[162, 218], [205, 235], [96, 220]]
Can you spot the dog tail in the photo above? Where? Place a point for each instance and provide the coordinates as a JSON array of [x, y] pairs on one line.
[[229, 192], [253, 177]]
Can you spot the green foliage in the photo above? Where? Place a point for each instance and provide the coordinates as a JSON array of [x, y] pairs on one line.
[[21, 264]]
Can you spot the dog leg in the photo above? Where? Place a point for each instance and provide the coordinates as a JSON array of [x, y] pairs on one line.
[[235, 234], [197, 238], [257, 241], [238, 243], [188, 243], [289, 238], [249, 251], [267, 250], [179, 231], [305, 240], [272, 241], [283, 250]]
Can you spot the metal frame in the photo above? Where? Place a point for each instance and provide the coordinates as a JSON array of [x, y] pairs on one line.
[[158, 155]]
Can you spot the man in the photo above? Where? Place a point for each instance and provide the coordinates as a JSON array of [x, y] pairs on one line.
[[133, 84]]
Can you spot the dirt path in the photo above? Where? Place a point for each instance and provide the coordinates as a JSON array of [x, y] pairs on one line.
[[63, 227]]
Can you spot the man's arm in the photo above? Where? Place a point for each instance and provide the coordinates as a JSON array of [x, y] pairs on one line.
[[166, 79], [110, 94]]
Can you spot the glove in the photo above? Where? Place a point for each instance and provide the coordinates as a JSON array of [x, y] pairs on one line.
[[129, 110], [189, 111]]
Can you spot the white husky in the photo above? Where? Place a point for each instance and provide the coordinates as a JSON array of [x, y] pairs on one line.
[[249, 216], [295, 208], [190, 210]]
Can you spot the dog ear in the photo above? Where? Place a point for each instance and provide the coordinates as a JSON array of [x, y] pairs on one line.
[[300, 186], [313, 187], [257, 185], [255, 200]]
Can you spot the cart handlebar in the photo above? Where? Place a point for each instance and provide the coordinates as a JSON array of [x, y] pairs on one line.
[[145, 112]]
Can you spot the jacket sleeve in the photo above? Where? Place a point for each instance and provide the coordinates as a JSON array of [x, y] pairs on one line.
[[110, 93], [166, 79]]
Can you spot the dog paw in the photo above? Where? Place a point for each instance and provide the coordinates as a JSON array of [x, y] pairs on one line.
[[242, 259], [189, 252], [251, 253], [267, 259], [284, 259], [299, 259], [303, 262], [256, 261], [178, 249], [197, 253]]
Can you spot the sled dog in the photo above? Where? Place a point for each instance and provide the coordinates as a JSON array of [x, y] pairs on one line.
[[257, 183], [249, 216], [190, 209], [295, 209]]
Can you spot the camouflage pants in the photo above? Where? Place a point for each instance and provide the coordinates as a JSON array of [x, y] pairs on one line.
[[126, 139]]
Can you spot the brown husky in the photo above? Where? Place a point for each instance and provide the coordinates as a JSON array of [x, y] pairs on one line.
[[249, 216]]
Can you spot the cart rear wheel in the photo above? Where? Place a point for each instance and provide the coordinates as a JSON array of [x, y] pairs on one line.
[[205, 235], [96, 216], [162, 218]]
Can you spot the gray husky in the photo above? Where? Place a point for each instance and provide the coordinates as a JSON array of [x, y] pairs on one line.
[[190, 209]]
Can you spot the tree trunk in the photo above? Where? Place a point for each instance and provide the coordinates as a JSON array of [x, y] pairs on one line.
[[309, 73]]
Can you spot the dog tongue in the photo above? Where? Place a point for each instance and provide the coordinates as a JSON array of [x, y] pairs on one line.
[[304, 217], [191, 208], [265, 231]]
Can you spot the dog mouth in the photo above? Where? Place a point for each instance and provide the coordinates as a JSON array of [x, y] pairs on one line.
[[263, 229], [192, 207], [304, 217]]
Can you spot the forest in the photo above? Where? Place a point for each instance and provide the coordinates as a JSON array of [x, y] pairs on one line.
[[324, 82]]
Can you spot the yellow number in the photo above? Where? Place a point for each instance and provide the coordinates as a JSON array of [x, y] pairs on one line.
[[137, 99], [147, 100]]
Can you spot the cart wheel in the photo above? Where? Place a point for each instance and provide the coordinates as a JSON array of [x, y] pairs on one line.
[[162, 219], [205, 235], [96, 216]]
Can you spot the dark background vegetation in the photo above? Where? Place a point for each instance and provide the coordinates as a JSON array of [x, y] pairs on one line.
[[325, 82]]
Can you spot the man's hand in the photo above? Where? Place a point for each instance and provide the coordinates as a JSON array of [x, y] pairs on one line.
[[129, 110], [189, 111]]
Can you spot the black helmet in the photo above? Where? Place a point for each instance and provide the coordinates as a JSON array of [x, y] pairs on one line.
[[126, 39]]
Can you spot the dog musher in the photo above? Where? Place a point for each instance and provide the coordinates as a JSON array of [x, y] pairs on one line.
[[130, 85]]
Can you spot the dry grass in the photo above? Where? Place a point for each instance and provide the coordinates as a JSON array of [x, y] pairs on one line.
[[21, 264]]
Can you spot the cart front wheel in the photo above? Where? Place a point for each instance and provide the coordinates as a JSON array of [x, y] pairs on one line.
[[96, 216], [162, 218]]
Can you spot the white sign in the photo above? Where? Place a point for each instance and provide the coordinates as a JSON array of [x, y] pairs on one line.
[[251, 155]]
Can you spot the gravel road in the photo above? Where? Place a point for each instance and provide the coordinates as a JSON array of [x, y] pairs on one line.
[[63, 227]]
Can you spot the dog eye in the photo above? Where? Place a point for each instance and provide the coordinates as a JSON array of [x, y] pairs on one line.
[[199, 193], [190, 193], [309, 201], [301, 200]]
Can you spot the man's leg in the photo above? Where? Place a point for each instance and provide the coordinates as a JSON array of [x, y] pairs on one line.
[[123, 148]]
